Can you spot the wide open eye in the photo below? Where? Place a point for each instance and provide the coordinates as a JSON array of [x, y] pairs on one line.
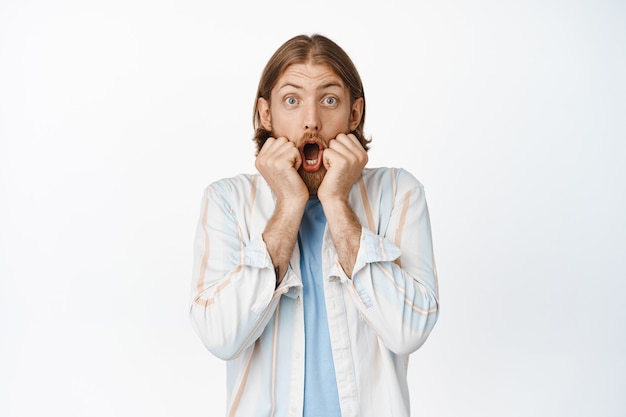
[[291, 101], [331, 101]]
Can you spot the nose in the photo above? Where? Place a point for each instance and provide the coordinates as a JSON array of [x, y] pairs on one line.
[[311, 118]]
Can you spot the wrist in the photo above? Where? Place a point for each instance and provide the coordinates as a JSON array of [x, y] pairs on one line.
[[333, 203], [291, 204]]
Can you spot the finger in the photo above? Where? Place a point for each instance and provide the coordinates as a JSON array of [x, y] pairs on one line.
[[289, 152], [353, 138], [331, 157], [272, 146], [348, 152], [343, 146], [285, 153], [349, 140], [274, 143], [269, 142]]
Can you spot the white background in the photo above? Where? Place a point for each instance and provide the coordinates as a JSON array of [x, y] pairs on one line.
[[114, 115]]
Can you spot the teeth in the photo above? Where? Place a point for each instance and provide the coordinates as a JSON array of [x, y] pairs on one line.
[[311, 161]]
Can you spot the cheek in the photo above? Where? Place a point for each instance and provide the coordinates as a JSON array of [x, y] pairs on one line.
[[283, 123], [338, 121], [282, 127]]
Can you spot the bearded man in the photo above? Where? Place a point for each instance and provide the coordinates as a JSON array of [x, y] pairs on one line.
[[315, 278]]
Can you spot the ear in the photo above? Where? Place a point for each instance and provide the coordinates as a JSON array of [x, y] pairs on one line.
[[356, 113], [263, 107]]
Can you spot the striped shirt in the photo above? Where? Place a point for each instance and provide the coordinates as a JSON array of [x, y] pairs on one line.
[[375, 320]]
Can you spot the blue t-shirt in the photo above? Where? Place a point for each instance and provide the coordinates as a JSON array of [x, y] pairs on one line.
[[320, 384]]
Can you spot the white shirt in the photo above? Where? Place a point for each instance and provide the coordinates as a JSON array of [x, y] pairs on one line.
[[376, 319]]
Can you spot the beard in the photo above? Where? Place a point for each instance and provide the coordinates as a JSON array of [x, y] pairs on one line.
[[313, 180]]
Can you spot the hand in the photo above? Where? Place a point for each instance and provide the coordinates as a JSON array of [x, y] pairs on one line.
[[344, 160], [278, 162]]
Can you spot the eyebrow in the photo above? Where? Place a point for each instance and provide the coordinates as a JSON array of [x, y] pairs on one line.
[[297, 87], [330, 85], [326, 86]]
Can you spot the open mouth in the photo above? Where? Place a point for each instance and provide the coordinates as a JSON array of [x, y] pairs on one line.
[[311, 151]]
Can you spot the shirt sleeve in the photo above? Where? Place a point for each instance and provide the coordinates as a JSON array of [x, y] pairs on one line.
[[234, 284], [394, 280]]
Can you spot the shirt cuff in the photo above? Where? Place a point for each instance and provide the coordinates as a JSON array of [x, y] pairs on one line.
[[291, 284], [374, 248], [254, 254]]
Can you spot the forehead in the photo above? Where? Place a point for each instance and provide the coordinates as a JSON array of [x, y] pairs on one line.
[[309, 75]]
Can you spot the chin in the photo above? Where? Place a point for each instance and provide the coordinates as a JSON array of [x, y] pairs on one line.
[[313, 179]]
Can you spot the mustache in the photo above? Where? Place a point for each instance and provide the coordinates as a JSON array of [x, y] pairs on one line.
[[310, 135], [314, 136], [306, 136]]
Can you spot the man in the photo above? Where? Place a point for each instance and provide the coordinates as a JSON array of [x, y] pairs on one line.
[[314, 280]]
